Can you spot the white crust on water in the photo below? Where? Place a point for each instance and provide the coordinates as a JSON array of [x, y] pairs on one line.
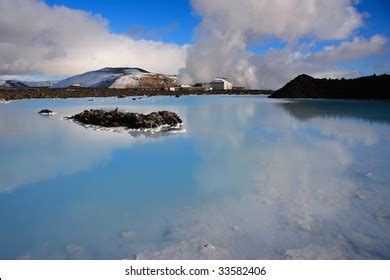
[[48, 114], [3, 101], [163, 128]]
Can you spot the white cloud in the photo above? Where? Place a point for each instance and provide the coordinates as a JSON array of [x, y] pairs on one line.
[[288, 20], [228, 27], [37, 38], [356, 48], [278, 66]]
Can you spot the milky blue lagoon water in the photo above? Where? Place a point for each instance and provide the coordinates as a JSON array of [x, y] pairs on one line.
[[250, 178]]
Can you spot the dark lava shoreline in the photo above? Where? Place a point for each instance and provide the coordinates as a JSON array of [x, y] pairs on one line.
[[14, 94]]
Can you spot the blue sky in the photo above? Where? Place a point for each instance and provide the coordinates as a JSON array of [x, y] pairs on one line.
[[174, 20], [168, 21]]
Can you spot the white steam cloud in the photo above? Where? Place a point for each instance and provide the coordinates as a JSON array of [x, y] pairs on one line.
[[37, 38], [229, 27]]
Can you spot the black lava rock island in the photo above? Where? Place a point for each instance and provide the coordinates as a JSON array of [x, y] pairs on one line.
[[115, 118]]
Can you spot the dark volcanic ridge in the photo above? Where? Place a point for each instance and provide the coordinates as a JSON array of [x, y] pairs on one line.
[[159, 121], [304, 86]]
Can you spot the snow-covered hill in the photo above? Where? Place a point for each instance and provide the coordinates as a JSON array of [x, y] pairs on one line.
[[122, 77], [39, 84], [13, 84]]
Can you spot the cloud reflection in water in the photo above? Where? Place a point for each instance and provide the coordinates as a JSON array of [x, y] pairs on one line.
[[286, 192]]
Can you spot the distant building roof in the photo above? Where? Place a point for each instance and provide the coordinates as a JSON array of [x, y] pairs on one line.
[[219, 79]]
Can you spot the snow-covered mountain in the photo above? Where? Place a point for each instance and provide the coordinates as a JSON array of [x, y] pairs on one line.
[[13, 84], [39, 84], [121, 77]]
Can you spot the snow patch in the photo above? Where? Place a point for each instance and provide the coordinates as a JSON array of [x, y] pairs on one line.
[[127, 81], [89, 79]]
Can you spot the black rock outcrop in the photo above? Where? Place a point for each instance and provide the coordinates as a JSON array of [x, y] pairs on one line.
[[304, 86], [46, 112], [116, 118]]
